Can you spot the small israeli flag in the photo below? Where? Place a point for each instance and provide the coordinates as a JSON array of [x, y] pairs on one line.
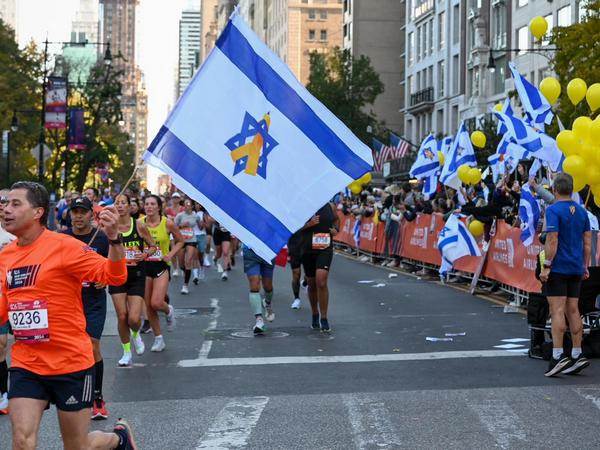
[[461, 153], [529, 213], [534, 103], [253, 146], [427, 162], [454, 242], [356, 231]]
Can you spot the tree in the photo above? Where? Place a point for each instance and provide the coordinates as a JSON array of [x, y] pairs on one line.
[[577, 57], [347, 86]]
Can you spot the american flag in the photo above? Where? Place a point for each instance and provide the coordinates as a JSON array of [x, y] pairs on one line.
[[400, 146], [382, 153]]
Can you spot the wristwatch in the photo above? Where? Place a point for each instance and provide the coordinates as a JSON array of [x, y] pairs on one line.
[[117, 241], [548, 264]]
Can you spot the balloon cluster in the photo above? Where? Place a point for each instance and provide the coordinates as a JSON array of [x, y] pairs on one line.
[[469, 175], [356, 186]]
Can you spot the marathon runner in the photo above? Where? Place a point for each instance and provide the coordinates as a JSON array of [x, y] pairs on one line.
[[317, 254], [200, 232], [129, 297], [295, 260], [5, 238], [52, 359], [158, 267], [92, 294], [186, 221], [222, 239], [258, 270], [174, 206]]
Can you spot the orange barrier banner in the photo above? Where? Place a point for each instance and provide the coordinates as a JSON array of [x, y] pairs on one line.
[[419, 238]]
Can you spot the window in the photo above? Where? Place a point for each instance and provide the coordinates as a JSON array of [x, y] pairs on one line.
[[425, 43], [429, 76], [418, 43], [323, 35], [312, 14], [470, 38], [499, 75], [441, 29], [455, 25], [454, 124], [439, 121], [521, 3], [564, 16], [312, 35], [323, 14], [550, 22], [499, 26], [430, 37], [582, 10], [411, 48], [522, 39], [440, 79], [455, 71]]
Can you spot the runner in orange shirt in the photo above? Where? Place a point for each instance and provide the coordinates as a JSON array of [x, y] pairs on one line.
[[52, 358]]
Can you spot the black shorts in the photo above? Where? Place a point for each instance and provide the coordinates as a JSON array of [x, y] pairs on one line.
[[316, 259], [190, 244], [295, 256], [94, 309], [220, 236], [559, 285], [69, 392], [155, 269], [135, 284]]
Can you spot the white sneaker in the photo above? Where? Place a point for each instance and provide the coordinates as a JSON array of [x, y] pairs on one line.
[[270, 314], [201, 274], [125, 360], [138, 344], [259, 326], [296, 304], [159, 344], [206, 261], [219, 268], [176, 273], [4, 401], [185, 290], [224, 277], [171, 318]]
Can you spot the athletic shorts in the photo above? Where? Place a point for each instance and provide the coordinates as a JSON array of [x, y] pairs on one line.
[[220, 236], [295, 256], [316, 259], [94, 309], [155, 269], [559, 285], [254, 265], [5, 328], [135, 284], [201, 241], [69, 392], [190, 244]]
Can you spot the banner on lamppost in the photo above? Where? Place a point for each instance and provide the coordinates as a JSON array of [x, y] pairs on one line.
[[56, 103], [4, 143], [76, 129], [103, 169]]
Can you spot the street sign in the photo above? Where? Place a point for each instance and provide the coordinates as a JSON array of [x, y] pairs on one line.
[[35, 151], [386, 169]]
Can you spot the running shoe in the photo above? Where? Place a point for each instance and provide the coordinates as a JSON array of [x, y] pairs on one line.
[[325, 328], [224, 277], [138, 344], [159, 344], [556, 366], [206, 261], [219, 268], [99, 411], [304, 284], [125, 360], [185, 290], [195, 280], [270, 314], [259, 326], [126, 440], [201, 274], [176, 273], [171, 318], [4, 404], [146, 328], [315, 323], [296, 304], [578, 364]]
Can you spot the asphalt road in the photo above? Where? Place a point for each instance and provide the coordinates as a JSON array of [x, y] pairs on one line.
[[376, 382]]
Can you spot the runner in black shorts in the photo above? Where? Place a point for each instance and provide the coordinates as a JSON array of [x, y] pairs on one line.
[[295, 260], [129, 297], [222, 239], [92, 294], [317, 254]]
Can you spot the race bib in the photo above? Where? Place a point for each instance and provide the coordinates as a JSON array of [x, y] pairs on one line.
[[187, 233], [131, 256], [29, 321], [321, 241], [157, 256]]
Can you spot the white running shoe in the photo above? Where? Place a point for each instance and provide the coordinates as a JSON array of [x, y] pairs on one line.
[[259, 326], [125, 360], [138, 344], [224, 277], [270, 314], [176, 273], [219, 268], [206, 261], [185, 290], [171, 318], [201, 274], [4, 401], [159, 344], [296, 304]]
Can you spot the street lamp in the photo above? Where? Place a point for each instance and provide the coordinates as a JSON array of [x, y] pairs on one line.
[[107, 55], [491, 65], [14, 123]]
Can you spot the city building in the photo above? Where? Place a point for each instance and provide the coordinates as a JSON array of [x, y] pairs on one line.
[[209, 14], [376, 29], [81, 57], [224, 10], [189, 48], [8, 14]]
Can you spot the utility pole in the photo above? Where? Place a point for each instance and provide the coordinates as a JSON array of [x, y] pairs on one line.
[[42, 140]]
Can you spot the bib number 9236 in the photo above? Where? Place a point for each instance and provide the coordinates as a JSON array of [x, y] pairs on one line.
[[29, 321]]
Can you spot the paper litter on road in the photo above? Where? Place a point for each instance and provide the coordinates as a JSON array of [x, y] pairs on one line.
[[435, 339], [366, 281], [464, 333], [508, 346], [379, 285], [393, 275], [515, 340]]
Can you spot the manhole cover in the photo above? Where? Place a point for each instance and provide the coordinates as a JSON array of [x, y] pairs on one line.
[[268, 334], [185, 312]]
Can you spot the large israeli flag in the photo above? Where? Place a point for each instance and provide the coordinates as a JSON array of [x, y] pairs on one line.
[[529, 213], [454, 242], [534, 103], [427, 162], [461, 153], [253, 146]]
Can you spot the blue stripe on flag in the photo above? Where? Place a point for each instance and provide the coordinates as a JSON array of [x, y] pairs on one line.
[[425, 169], [448, 240], [467, 237], [283, 97], [219, 189]]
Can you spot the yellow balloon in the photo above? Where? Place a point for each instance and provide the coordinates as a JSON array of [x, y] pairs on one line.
[[581, 127], [441, 158], [579, 183], [574, 165], [463, 173], [550, 87], [596, 191], [476, 228], [593, 175], [538, 27], [567, 142], [365, 179], [587, 152], [592, 96], [355, 188], [595, 131], [474, 175], [576, 90], [498, 107], [478, 139]]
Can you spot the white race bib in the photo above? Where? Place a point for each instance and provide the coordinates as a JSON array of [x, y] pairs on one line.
[[29, 321], [321, 241]]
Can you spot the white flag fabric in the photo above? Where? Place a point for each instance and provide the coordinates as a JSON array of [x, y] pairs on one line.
[[454, 242], [460, 153], [534, 103], [253, 146], [427, 162], [529, 213]]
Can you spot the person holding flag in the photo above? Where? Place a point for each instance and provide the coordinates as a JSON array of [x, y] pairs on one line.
[[454, 242], [460, 153], [259, 272]]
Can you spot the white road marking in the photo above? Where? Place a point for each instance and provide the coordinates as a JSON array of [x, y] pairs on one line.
[[502, 423], [212, 325], [508, 346], [592, 394], [371, 424], [234, 424], [262, 361], [515, 340]]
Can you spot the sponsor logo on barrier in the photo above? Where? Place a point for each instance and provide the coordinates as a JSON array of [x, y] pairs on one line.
[[504, 252], [366, 231], [419, 237]]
